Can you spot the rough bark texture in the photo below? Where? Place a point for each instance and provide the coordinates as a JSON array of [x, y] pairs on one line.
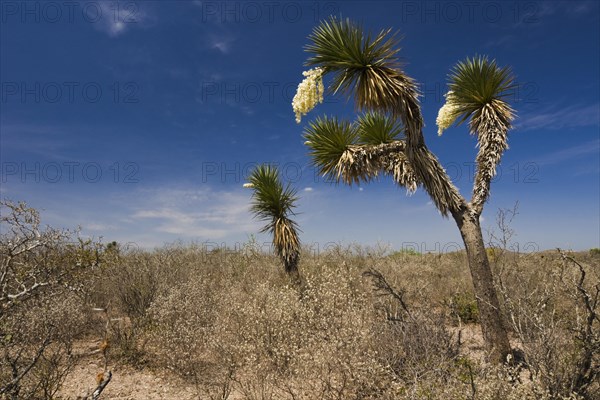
[[449, 201], [291, 263], [494, 332]]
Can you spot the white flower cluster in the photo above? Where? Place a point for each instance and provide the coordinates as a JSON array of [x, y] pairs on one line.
[[309, 93], [248, 185], [447, 114]]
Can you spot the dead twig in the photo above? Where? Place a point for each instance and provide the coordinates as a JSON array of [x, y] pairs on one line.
[[384, 288]]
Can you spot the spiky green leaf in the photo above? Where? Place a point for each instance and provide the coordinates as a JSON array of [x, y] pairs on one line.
[[274, 203], [271, 200], [364, 67], [377, 128], [477, 82], [342, 46], [328, 139]]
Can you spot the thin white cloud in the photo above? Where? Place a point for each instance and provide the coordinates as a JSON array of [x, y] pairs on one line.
[[592, 147], [197, 213], [537, 12], [553, 118], [216, 35], [544, 8], [49, 141], [221, 41], [502, 41], [221, 45], [308, 189], [116, 18], [95, 226]]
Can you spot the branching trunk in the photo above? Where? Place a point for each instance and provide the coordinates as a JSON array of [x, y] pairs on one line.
[[448, 200], [366, 70], [494, 331]]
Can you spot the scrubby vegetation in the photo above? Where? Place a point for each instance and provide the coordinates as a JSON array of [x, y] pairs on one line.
[[361, 324]]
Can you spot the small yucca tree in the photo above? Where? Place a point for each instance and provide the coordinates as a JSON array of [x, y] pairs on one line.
[[274, 204], [387, 137]]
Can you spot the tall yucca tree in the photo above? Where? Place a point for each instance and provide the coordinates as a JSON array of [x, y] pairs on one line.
[[387, 137], [274, 203]]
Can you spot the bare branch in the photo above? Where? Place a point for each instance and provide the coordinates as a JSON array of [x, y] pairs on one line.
[[15, 382], [590, 339], [105, 381], [26, 291], [383, 286]]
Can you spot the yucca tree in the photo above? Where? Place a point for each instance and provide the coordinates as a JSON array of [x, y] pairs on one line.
[[387, 137], [274, 204]]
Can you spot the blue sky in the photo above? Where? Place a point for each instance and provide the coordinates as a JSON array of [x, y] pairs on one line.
[[138, 120]]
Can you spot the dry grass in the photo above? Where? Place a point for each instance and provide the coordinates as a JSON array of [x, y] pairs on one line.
[[235, 324], [361, 324]]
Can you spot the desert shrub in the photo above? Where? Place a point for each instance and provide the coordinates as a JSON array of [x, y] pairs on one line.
[[484, 382], [130, 280], [360, 324], [42, 307], [45, 329], [182, 321], [412, 337], [233, 323], [272, 339], [463, 306], [557, 324], [416, 348], [133, 278], [404, 253], [551, 304]]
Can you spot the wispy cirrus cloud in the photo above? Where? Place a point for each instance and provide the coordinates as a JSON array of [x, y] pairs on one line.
[[46, 140], [561, 156], [221, 44], [211, 19], [150, 216], [218, 38], [544, 8], [99, 227], [115, 18], [555, 117], [196, 213], [501, 41]]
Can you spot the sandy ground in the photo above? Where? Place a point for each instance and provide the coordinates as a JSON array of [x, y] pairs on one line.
[[126, 383], [145, 384]]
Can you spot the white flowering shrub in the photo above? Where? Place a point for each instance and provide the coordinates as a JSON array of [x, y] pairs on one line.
[[236, 325]]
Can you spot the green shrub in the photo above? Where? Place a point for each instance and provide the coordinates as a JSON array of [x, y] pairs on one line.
[[463, 306]]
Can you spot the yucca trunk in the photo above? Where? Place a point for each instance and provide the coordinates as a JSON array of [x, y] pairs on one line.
[[495, 335], [365, 68], [291, 268], [290, 259]]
